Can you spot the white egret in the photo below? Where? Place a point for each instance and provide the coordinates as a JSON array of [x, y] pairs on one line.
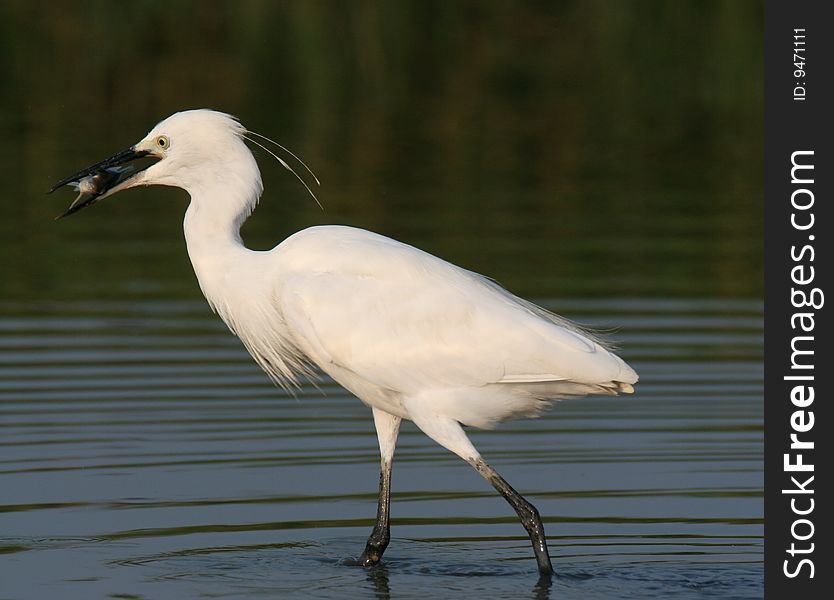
[[412, 336]]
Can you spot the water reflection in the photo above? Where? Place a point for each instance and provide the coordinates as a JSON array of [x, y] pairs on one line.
[[378, 578], [143, 451]]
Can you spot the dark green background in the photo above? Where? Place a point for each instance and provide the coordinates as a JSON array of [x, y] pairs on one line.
[[568, 149]]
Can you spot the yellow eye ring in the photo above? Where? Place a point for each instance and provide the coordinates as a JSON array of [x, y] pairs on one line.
[[163, 142]]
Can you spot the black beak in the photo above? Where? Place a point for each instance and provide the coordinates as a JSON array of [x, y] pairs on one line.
[[96, 181]]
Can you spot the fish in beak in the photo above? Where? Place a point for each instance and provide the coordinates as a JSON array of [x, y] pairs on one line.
[[104, 179]]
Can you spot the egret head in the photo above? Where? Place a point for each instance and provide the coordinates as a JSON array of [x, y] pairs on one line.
[[193, 150]]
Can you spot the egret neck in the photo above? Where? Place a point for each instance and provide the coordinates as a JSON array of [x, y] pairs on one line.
[[222, 197]]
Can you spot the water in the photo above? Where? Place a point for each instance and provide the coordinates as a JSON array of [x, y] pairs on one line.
[[602, 159], [144, 456]]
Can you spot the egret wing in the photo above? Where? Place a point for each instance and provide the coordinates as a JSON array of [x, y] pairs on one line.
[[406, 320]]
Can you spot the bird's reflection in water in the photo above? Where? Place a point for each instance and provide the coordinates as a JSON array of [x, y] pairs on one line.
[[541, 591], [379, 578]]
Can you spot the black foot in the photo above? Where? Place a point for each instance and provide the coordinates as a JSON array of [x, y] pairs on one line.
[[375, 547], [371, 556]]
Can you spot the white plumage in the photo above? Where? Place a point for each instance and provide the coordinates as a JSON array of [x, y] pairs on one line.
[[389, 322], [409, 334]]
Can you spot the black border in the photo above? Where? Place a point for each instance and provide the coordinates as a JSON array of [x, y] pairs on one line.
[[792, 125]]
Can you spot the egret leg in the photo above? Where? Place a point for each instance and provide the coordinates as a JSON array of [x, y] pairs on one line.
[[527, 513], [449, 434], [387, 430]]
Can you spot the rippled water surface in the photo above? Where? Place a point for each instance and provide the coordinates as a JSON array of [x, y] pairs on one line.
[[144, 456]]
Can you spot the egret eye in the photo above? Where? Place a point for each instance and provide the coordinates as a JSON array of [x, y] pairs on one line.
[[163, 142]]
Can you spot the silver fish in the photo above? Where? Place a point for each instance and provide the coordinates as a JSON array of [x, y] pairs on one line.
[[92, 186]]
